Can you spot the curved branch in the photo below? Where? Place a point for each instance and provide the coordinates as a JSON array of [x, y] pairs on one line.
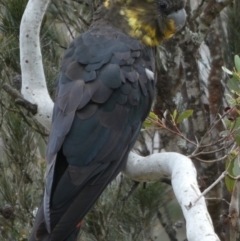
[[183, 175], [34, 88]]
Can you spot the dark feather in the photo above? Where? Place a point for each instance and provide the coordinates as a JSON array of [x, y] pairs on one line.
[[98, 91], [111, 75]]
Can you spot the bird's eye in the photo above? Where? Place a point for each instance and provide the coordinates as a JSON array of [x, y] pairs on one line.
[[163, 5]]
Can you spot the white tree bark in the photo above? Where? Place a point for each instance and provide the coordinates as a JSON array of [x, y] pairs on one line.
[[183, 176], [34, 87], [178, 167]]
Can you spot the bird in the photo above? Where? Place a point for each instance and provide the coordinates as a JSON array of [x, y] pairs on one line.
[[104, 92]]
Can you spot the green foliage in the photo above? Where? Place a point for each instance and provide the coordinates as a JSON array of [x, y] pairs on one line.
[[9, 53], [184, 115], [151, 120], [229, 166], [52, 41], [21, 178], [116, 218], [233, 121], [178, 118], [22, 142], [10, 15], [233, 29], [237, 63], [233, 124], [233, 84], [11, 12]]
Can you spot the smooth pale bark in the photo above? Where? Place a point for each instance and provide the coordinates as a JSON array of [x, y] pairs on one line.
[[183, 177], [178, 167], [34, 87]]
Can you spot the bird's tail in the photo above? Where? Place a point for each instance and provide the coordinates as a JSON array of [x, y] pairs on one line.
[[40, 233]]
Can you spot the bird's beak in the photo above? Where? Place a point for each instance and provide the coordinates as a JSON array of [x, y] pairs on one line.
[[179, 18]]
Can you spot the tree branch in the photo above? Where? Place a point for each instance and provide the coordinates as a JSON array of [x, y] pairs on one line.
[[19, 100], [34, 88], [178, 167], [183, 176], [212, 9]]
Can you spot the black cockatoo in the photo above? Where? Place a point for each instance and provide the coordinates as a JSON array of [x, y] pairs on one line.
[[104, 92]]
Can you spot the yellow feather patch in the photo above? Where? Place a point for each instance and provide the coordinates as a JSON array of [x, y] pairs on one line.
[[170, 31], [139, 29], [147, 33], [107, 3]]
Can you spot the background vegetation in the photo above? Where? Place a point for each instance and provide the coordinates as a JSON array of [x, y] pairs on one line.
[[191, 84]]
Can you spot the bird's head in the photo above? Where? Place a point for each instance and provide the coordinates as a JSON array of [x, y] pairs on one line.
[[150, 21]]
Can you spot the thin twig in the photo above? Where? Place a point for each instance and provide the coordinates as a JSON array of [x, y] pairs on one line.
[[84, 21], [19, 100], [215, 198], [63, 19], [220, 178], [133, 188], [81, 2], [213, 160], [42, 133], [211, 152], [232, 177]]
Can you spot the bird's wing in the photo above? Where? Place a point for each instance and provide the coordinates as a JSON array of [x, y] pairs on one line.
[[104, 93]]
